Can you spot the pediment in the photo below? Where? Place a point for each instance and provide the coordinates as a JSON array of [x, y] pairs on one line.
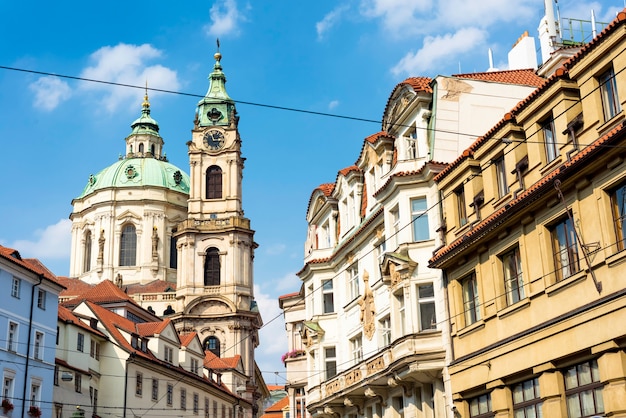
[[210, 307], [128, 215]]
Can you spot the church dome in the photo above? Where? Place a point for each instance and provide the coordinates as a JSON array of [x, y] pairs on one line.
[[138, 172]]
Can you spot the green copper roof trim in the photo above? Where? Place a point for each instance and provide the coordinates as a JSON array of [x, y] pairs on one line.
[[145, 124], [138, 172], [216, 108]]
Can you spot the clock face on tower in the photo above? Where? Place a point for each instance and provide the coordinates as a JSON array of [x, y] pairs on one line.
[[214, 139]]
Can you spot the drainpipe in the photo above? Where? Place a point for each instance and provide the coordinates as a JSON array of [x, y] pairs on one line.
[[30, 330], [129, 360]]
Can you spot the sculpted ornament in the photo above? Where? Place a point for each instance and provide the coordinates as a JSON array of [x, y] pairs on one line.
[[368, 310]]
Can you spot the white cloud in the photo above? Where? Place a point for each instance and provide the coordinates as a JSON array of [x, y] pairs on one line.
[[330, 20], [50, 92], [52, 242], [399, 17], [225, 18], [483, 13], [273, 337], [436, 49], [333, 104], [127, 64]]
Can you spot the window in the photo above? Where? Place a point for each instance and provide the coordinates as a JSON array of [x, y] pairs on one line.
[[56, 375], [35, 393], [183, 399], [214, 409], [583, 390], [141, 148], [401, 310], [549, 139], [394, 214], [526, 399], [155, 390], [212, 267], [94, 352], [15, 289], [214, 182], [608, 91], [139, 384], [327, 296], [93, 394], [168, 354], [471, 304], [7, 387], [196, 403], [87, 252], [169, 399], [331, 362], [385, 331], [353, 281], [38, 349], [380, 254], [212, 344], [128, 246], [459, 195], [194, 365], [206, 407], [13, 337], [411, 143], [78, 380], [565, 249], [41, 299], [480, 406], [618, 202], [134, 341], [356, 348], [426, 302], [503, 186], [419, 218], [80, 342], [173, 251], [513, 280], [398, 406]]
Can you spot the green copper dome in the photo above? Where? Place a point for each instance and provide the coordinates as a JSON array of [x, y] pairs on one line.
[[138, 172]]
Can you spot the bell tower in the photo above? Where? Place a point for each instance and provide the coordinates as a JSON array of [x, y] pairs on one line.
[[215, 288]]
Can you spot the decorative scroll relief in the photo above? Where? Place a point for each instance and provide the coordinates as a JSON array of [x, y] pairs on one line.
[[353, 377], [368, 309], [375, 365]]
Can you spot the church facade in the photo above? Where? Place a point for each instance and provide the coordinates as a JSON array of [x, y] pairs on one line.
[[178, 244]]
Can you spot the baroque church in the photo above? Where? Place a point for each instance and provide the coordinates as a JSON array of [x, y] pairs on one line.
[[179, 245]]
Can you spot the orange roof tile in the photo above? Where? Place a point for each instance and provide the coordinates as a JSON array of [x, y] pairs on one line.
[[104, 292], [431, 165], [186, 339], [326, 188], [67, 316], [345, 171], [530, 194], [30, 264], [214, 362], [289, 295], [155, 286], [73, 287], [147, 329], [526, 77], [279, 405]]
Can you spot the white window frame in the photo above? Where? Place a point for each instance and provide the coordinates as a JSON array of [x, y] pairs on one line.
[[16, 287], [168, 354], [423, 303], [328, 294], [38, 345], [385, 331], [13, 336], [608, 92], [353, 281], [356, 348], [419, 217]]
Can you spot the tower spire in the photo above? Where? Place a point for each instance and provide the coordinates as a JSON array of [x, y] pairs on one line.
[[217, 107]]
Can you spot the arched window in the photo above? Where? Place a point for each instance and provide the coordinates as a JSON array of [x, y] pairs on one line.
[[212, 344], [87, 252], [152, 149], [214, 182], [173, 251], [128, 246], [141, 148], [212, 267]]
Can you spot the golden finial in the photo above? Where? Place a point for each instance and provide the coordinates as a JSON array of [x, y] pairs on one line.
[[218, 55], [146, 103]]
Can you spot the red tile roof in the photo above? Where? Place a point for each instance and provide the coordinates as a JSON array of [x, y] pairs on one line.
[[214, 362], [149, 329], [33, 265], [345, 171], [431, 165], [289, 295], [529, 195], [67, 316], [73, 287], [186, 339], [526, 77], [104, 292], [278, 406], [326, 188], [417, 83]]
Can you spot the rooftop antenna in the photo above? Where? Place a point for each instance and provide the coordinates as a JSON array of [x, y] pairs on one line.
[[218, 43], [593, 23], [491, 67]]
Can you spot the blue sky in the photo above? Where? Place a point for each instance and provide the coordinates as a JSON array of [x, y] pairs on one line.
[[338, 57]]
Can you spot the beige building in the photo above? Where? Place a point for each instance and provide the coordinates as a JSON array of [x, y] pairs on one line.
[[534, 248]]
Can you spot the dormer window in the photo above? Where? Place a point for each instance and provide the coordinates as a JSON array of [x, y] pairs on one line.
[[134, 341], [144, 345], [168, 354]]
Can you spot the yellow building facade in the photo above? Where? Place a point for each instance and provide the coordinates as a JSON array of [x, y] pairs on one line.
[[534, 251]]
